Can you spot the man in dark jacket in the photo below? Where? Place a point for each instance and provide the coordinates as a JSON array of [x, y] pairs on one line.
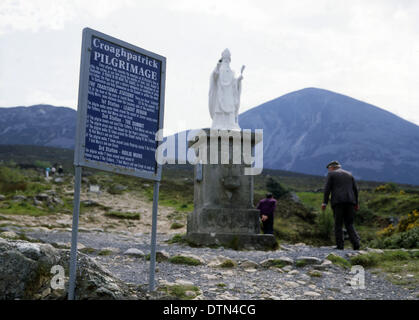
[[341, 184], [267, 207]]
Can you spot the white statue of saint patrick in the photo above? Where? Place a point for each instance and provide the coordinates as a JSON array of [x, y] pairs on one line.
[[224, 95]]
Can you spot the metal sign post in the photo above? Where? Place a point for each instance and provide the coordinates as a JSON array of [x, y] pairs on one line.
[[74, 232], [154, 236], [120, 110]]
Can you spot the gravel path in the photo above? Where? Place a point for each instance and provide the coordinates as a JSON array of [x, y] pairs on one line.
[[248, 280]]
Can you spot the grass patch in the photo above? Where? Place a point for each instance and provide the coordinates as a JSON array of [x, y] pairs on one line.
[[23, 208], [34, 188], [300, 263], [88, 250], [176, 225], [177, 238], [366, 260], [228, 264], [176, 215], [159, 257], [393, 204], [105, 252], [315, 274], [337, 260], [184, 260], [278, 263], [234, 243], [123, 215], [180, 291], [399, 267], [373, 259], [311, 200], [175, 193]]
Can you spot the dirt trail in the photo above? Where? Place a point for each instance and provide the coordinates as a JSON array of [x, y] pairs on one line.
[[93, 217]]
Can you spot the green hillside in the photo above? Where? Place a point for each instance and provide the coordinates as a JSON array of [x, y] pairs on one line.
[[298, 215]]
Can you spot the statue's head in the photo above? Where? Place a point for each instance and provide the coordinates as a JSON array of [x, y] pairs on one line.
[[226, 55]]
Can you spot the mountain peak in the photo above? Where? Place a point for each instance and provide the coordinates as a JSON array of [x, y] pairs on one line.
[[305, 129], [42, 124]]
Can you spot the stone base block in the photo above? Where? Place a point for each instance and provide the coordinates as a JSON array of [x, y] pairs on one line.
[[224, 221], [234, 241]]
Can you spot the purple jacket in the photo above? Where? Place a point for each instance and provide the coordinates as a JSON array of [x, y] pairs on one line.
[[267, 206]]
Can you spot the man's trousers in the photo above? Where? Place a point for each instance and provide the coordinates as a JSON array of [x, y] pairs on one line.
[[344, 213]]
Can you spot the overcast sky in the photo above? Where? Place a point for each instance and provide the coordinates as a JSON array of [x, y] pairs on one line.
[[368, 50]]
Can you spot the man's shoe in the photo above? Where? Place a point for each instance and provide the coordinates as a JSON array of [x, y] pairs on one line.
[[356, 247]]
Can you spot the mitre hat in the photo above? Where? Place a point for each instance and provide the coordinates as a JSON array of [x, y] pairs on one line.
[[226, 54]]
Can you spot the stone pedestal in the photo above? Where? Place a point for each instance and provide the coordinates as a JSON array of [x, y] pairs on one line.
[[224, 213]]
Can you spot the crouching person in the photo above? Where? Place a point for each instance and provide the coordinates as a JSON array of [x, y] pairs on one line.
[[267, 208]]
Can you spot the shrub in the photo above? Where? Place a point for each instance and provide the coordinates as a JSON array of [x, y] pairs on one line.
[[11, 180], [364, 215], [366, 260], [404, 235], [276, 188], [42, 164], [387, 231], [387, 188], [407, 240], [409, 222], [325, 224]]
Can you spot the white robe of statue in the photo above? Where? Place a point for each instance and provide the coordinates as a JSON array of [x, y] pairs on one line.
[[224, 95]]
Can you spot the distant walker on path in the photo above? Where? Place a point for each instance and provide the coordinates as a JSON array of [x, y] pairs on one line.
[[341, 184], [267, 208]]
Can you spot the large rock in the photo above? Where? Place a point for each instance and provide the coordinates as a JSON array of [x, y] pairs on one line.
[[19, 198], [277, 262], [9, 235], [134, 252], [25, 273], [309, 260], [246, 264], [221, 261], [42, 197]]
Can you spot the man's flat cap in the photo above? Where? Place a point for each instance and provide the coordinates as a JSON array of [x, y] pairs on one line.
[[333, 164]]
